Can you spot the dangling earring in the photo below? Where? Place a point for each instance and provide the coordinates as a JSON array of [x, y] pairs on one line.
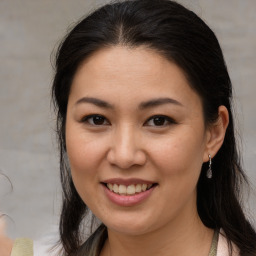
[[209, 171]]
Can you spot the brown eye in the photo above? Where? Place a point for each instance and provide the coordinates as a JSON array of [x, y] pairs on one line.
[[95, 120], [159, 121]]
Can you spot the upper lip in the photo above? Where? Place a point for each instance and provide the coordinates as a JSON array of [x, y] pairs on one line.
[[127, 182]]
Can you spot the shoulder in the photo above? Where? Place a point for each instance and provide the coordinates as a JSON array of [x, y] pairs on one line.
[[223, 248]]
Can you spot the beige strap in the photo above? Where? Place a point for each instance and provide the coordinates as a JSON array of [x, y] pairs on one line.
[[213, 250], [22, 247]]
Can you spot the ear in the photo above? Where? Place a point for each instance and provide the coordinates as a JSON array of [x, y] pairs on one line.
[[216, 134]]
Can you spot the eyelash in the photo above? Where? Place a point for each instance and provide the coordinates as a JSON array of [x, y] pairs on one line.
[[167, 120], [87, 118], [104, 121]]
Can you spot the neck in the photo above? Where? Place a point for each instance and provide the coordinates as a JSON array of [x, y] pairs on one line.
[[189, 238]]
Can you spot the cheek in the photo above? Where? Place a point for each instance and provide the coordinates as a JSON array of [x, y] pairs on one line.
[[179, 155], [81, 155], [85, 154], [82, 149], [178, 162], [84, 158]]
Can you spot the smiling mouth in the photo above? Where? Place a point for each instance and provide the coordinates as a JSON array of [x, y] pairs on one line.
[[129, 190]]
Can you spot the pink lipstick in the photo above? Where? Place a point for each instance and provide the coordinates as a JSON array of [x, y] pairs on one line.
[[128, 192]]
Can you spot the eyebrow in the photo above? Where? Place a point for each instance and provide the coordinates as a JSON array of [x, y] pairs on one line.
[[158, 102], [95, 101], [143, 105]]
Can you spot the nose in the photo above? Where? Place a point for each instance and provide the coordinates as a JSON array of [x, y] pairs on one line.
[[126, 149]]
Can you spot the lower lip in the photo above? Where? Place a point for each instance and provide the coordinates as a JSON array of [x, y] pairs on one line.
[[131, 200]]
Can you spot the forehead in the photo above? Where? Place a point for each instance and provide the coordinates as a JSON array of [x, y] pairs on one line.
[[136, 72], [127, 62]]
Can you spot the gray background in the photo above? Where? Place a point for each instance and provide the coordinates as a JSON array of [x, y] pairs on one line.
[[29, 30]]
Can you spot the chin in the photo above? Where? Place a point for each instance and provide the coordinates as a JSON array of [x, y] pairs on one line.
[[129, 227], [128, 231]]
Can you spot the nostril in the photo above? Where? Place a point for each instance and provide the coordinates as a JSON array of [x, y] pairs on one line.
[[126, 158]]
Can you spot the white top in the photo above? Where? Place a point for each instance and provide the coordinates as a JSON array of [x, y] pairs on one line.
[[222, 249]]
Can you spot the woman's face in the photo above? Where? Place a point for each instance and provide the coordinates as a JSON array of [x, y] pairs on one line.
[[136, 140]]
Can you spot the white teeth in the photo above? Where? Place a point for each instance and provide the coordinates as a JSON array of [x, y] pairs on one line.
[[144, 187], [110, 186], [128, 190], [122, 189], [138, 188], [116, 188]]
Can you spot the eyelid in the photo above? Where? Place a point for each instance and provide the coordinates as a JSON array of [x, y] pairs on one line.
[[167, 118], [87, 117]]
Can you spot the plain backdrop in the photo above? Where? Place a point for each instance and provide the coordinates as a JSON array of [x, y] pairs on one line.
[[29, 31]]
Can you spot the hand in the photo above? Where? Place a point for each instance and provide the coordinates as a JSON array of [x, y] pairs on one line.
[[5, 242]]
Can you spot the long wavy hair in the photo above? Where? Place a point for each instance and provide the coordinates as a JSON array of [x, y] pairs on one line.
[[182, 37]]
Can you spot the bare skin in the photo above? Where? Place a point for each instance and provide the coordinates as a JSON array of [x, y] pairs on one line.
[[5, 242], [191, 240]]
